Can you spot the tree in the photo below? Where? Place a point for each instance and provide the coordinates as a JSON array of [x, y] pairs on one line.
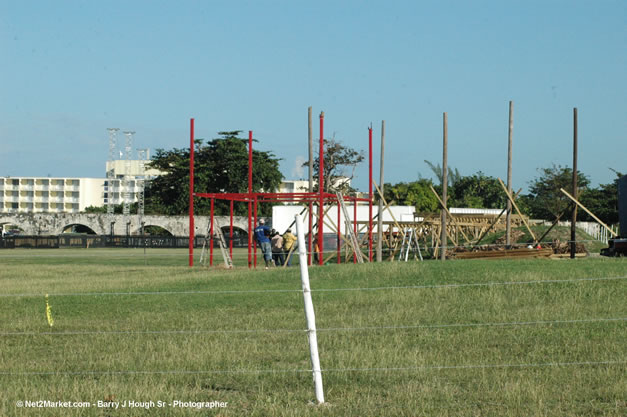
[[545, 200], [415, 193], [602, 201], [477, 191], [337, 158], [220, 166], [96, 209], [117, 209], [452, 177]]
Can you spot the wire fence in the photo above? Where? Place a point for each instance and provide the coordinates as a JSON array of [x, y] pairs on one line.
[[288, 290], [330, 329], [615, 360], [327, 370]]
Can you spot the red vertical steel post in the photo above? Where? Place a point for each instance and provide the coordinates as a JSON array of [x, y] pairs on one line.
[[321, 189], [370, 194], [191, 192], [211, 235], [250, 236], [310, 249], [355, 227], [250, 195], [339, 233], [255, 209], [231, 231]]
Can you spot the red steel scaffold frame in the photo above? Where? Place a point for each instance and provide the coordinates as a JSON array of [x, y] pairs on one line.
[[254, 198]]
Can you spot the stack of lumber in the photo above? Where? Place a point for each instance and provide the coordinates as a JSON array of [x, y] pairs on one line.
[[503, 254]]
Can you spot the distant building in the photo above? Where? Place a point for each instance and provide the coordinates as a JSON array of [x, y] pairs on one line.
[[70, 194], [54, 195], [302, 186], [118, 167], [294, 186]]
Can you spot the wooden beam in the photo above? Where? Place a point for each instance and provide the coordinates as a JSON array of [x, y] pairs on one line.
[[589, 212], [495, 220], [557, 219], [449, 215], [535, 240], [386, 205]]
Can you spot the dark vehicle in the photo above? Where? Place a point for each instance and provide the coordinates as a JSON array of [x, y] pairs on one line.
[[618, 245]]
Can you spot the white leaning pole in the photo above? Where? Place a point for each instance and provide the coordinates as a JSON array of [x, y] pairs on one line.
[[309, 310]]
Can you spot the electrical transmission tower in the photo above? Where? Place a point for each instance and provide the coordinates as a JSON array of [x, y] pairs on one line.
[[142, 155], [113, 131], [126, 182]]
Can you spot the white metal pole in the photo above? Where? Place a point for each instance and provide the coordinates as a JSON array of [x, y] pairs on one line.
[[309, 310]]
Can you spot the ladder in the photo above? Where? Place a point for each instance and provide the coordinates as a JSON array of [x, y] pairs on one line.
[[203, 253], [203, 257], [351, 234], [228, 262], [417, 246], [409, 240]]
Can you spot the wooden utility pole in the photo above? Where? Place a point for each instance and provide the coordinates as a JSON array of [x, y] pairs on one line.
[[508, 224], [443, 239], [573, 223], [380, 219]]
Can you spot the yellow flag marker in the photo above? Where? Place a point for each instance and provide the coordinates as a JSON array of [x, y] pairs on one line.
[[49, 313]]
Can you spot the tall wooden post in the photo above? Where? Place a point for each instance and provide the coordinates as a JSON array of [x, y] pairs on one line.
[[380, 218], [508, 226], [191, 192], [573, 223], [444, 238]]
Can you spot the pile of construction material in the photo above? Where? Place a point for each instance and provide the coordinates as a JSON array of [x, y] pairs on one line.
[[500, 252], [564, 247], [556, 248], [515, 236]]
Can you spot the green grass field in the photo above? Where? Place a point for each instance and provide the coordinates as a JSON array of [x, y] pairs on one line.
[[472, 338]]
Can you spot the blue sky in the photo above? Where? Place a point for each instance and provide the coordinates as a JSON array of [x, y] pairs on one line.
[[70, 69]]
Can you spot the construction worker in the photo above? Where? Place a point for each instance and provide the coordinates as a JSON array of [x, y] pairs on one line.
[[288, 243], [262, 235]]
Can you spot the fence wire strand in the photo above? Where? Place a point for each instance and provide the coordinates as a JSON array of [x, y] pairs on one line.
[[328, 370], [328, 329], [386, 288]]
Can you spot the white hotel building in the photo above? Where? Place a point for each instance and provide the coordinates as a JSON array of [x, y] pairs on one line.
[[52, 195], [68, 194]]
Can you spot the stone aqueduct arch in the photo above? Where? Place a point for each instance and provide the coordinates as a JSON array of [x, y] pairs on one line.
[[54, 223]]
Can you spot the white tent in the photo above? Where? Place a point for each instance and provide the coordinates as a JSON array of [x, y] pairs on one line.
[[283, 216]]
